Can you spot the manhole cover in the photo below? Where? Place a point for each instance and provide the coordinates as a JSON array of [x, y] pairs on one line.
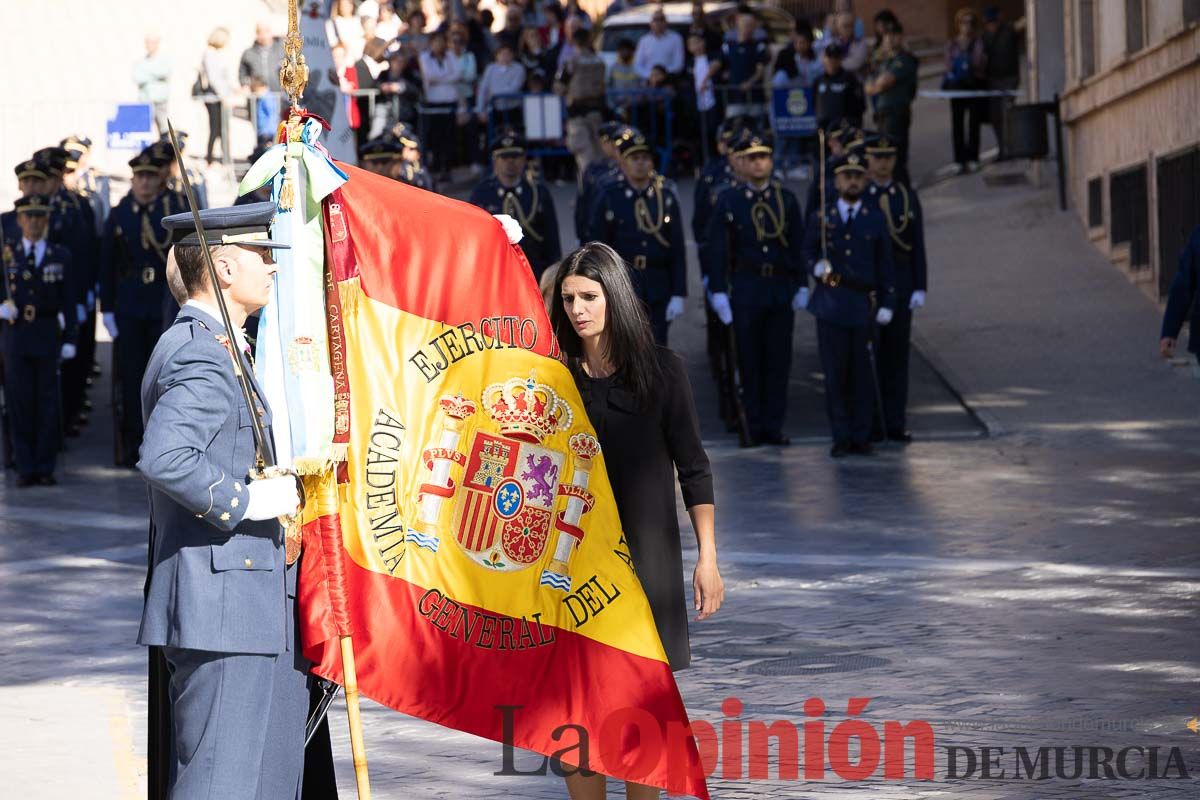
[[816, 666], [1006, 179], [745, 652]]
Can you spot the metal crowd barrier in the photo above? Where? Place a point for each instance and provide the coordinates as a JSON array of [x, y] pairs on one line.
[[542, 118]]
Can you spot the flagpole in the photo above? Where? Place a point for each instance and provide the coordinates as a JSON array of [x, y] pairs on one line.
[[293, 77]]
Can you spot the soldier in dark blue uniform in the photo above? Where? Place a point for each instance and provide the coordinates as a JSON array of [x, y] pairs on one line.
[[900, 208], [1181, 301], [409, 169], [133, 286], [93, 188], [596, 171], [73, 226], [849, 250], [195, 176], [380, 156], [38, 318], [512, 190], [639, 216], [756, 274]]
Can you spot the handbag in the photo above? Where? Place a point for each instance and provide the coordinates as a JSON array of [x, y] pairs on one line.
[[201, 87]]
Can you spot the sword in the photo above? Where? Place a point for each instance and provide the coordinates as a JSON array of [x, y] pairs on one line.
[[329, 691]]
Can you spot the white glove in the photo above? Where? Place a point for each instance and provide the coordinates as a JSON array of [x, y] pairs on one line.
[[512, 228], [272, 497], [8, 312], [720, 307], [110, 323], [704, 283], [800, 301], [62, 322], [883, 316], [80, 312], [67, 352], [91, 298], [674, 308], [917, 300], [822, 268]]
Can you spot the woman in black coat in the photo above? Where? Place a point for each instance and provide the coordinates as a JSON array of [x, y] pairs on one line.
[[638, 398]]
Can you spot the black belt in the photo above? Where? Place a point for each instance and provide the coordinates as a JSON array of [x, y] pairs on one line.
[[30, 313], [145, 275], [764, 270], [642, 263], [835, 280]]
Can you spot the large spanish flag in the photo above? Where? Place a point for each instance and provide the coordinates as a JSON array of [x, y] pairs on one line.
[[473, 548]]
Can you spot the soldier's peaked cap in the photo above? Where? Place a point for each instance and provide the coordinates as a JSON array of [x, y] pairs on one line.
[[32, 204], [248, 225], [632, 141]]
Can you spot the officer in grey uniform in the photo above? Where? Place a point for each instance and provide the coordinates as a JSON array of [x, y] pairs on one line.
[[220, 599]]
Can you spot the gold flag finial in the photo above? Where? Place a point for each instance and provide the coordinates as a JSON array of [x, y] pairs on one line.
[[293, 71]]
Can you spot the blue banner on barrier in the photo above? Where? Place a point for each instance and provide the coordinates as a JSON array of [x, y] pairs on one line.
[[132, 127], [792, 108]]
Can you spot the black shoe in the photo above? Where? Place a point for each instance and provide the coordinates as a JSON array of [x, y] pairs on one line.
[[776, 439], [25, 481], [72, 430], [862, 449], [47, 480], [877, 436], [839, 450], [903, 437]]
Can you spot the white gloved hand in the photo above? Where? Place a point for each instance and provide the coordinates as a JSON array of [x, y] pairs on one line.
[[62, 322], [720, 307], [917, 300], [8, 312], [512, 228], [91, 298], [67, 352], [883, 316], [110, 323], [822, 268], [800, 301], [80, 312], [674, 308], [704, 283], [272, 497]]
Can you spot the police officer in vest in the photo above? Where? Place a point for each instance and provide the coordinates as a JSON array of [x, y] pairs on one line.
[[512, 190], [849, 250], [39, 330], [639, 216], [220, 600], [133, 286], [757, 279], [900, 208]]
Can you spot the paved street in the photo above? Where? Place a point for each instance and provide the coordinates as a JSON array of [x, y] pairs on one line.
[[1025, 575]]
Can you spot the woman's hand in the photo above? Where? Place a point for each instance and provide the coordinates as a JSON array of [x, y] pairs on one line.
[[708, 587]]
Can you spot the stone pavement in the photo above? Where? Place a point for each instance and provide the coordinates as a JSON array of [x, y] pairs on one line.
[[1032, 588]]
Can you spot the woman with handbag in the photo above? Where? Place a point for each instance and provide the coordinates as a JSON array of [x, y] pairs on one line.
[[216, 87], [966, 61]]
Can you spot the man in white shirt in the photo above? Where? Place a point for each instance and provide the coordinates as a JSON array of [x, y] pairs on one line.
[[440, 73], [660, 47]]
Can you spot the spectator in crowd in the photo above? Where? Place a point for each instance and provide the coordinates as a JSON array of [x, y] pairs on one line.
[[837, 93], [513, 26], [858, 51], [799, 64], [661, 46], [258, 72], [345, 28], [414, 35], [532, 54], [744, 62], [553, 29], [582, 78], [704, 97], [400, 87], [152, 74], [830, 27], [479, 35], [966, 64], [710, 32], [1001, 45], [467, 135], [575, 12], [368, 73], [568, 49], [504, 76], [440, 76], [894, 88], [879, 26], [537, 82], [623, 74], [617, 6], [368, 10], [388, 25], [216, 75]]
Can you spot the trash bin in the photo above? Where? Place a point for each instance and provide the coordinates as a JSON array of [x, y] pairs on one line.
[[1025, 134]]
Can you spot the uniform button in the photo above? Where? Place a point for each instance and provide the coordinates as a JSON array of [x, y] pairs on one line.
[[847, 252], [249, 563]]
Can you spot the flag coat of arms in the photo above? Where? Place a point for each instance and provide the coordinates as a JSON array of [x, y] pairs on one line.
[[471, 543]]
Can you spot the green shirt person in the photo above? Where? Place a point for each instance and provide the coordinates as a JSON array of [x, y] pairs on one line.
[[893, 88]]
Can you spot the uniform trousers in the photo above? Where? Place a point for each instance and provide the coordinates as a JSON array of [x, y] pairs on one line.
[[134, 345], [762, 322], [238, 725], [34, 413], [848, 381], [891, 354]]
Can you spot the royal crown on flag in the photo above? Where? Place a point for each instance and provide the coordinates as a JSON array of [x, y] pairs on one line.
[[457, 407], [526, 410]]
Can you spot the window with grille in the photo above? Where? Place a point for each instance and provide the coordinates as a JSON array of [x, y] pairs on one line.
[[1129, 214], [1135, 25], [1095, 202], [1178, 210], [1087, 38]]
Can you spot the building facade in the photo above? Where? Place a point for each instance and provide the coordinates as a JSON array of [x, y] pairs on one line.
[[1131, 111]]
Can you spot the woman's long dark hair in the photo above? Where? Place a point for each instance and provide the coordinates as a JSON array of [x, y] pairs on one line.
[[628, 339]]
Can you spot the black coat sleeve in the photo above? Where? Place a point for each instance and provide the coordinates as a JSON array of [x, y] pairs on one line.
[[682, 430], [919, 266]]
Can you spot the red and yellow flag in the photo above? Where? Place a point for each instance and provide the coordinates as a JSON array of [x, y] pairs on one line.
[[474, 549]]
